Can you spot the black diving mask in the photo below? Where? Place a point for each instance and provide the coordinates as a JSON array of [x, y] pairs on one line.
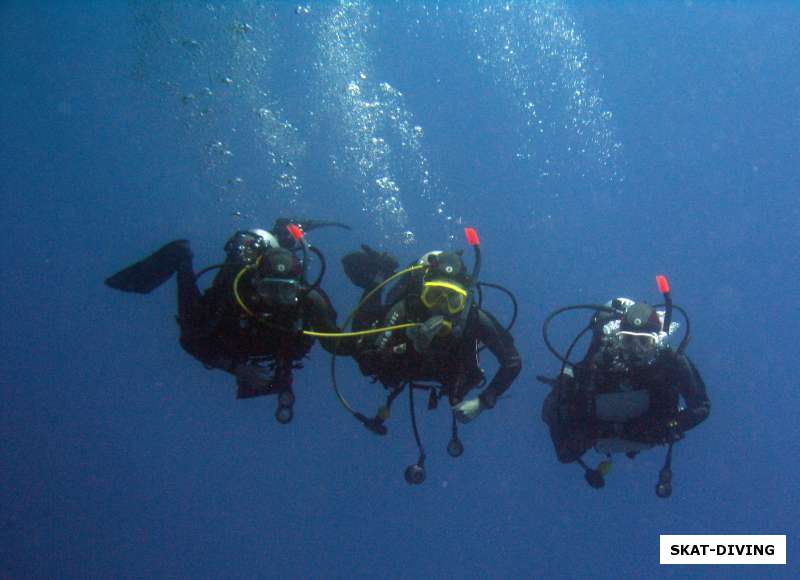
[[278, 291]]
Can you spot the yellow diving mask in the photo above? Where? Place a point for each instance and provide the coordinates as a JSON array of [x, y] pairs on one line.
[[443, 295]]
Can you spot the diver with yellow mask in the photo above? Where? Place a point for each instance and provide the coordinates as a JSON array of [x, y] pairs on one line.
[[435, 329]]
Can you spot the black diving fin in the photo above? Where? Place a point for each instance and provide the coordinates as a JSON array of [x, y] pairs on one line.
[[146, 275], [366, 268]]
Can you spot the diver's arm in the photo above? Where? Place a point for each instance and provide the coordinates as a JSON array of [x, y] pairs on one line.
[[370, 309], [693, 390], [321, 317], [501, 344]]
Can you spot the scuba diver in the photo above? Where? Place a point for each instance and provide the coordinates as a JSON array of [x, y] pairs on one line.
[[625, 395], [250, 321], [426, 336]]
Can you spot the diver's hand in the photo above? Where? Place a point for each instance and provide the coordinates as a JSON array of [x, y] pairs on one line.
[[690, 418], [468, 410], [423, 334]]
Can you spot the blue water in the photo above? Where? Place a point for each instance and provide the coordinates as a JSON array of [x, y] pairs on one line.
[[592, 145]]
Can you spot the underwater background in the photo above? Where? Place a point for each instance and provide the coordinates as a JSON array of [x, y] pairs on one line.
[[592, 145]]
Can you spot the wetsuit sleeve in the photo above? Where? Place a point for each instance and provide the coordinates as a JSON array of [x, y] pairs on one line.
[[320, 316], [693, 390], [370, 309], [501, 344]]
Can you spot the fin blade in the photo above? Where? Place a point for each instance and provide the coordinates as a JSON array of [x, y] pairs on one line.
[[148, 274]]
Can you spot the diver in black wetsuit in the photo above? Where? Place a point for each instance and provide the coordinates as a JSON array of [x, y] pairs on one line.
[[625, 395], [250, 321], [436, 330]]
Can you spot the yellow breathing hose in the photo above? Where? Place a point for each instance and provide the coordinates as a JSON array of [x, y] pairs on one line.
[[377, 288], [236, 280], [360, 304], [369, 295], [244, 306], [361, 332]]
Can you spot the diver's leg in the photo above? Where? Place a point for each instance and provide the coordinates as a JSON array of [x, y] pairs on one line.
[[570, 441], [194, 318], [254, 380], [569, 446], [189, 296], [251, 381]]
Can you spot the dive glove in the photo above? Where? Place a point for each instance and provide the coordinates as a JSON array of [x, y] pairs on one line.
[[468, 410]]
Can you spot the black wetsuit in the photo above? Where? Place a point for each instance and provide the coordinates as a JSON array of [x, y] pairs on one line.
[[241, 338], [450, 361], [217, 331], [570, 410]]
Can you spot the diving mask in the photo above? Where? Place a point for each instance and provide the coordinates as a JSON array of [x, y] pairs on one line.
[[638, 342], [443, 295], [640, 347], [278, 291]]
